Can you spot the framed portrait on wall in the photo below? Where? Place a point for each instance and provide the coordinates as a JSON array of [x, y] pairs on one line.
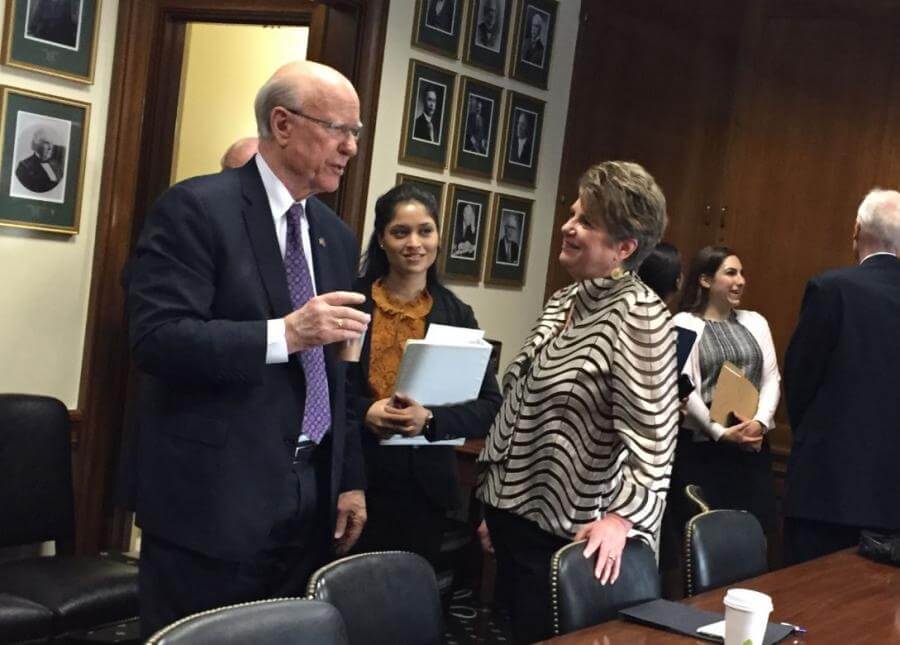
[[56, 37], [465, 229], [486, 34], [522, 124], [42, 151], [436, 26], [426, 117], [535, 25], [430, 186], [477, 117], [508, 243]]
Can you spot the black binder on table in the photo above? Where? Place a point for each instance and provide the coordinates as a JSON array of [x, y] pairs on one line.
[[684, 619]]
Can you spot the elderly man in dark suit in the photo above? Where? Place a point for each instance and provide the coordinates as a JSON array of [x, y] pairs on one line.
[[249, 471], [841, 386], [43, 170]]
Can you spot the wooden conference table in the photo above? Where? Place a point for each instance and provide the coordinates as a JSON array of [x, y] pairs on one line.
[[840, 598]]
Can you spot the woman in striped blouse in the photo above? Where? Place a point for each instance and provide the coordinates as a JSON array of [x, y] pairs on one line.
[[582, 446]]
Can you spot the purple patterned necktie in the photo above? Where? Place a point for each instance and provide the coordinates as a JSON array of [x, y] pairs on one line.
[[317, 414]]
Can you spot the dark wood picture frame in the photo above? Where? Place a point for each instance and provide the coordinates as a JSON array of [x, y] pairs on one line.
[[465, 224], [521, 154], [507, 255], [419, 146], [438, 32], [61, 44], [533, 48], [477, 121], [486, 46], [434, 188], [43, 144]]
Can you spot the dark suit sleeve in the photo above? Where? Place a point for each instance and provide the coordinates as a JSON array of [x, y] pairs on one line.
[[354, 475], [472, 419], [809, 349], [171, 292]]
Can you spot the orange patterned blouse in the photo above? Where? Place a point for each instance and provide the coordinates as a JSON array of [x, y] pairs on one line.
[[393, 323]]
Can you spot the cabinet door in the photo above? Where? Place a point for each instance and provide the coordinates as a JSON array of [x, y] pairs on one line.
[[652, 83]]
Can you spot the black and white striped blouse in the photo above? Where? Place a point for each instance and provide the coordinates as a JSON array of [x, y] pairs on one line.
[[590, 413]]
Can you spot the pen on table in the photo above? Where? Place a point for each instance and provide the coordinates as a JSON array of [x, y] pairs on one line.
[[796, 628]]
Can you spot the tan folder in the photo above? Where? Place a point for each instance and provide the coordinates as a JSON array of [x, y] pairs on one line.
[[733, 393]]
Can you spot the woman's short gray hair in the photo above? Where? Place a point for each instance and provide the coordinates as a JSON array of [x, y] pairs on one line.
[[277, 91], [626, 200]]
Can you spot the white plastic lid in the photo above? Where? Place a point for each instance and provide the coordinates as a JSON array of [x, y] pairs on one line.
[[748, 600]]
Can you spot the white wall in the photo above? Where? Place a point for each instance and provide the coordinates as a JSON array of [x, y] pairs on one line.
[[46, 278], [505, 314]]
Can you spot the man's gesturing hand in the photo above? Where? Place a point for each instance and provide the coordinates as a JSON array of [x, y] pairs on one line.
[[325, 319]]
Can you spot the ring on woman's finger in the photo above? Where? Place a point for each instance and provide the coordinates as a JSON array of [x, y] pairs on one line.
[[612, 557], [340, 323]]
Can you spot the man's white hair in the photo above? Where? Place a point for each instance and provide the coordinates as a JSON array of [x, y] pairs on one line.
[[879, 218]]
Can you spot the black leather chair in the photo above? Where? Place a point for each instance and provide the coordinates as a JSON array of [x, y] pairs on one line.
[[579, 600], [36, 505], [280, 621], [385, 598], [24, 621], [721, 547]]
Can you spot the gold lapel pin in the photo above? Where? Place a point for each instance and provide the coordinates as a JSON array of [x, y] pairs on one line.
[[321, 241]]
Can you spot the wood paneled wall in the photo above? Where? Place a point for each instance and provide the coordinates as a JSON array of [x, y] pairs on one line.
[[764, 121]]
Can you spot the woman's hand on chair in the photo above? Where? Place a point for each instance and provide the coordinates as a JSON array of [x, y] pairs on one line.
[[605, 537], [484, 536]]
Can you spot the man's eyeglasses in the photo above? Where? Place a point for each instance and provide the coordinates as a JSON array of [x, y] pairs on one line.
[[333, 128]]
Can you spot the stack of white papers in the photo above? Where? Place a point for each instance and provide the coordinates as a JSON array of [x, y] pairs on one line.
[[445, 368]]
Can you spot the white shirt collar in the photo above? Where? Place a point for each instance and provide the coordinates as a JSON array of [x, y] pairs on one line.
[[893, 255], [279, 196]]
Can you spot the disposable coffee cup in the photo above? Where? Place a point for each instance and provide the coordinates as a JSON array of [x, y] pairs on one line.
[[351, 349], [746, 616]]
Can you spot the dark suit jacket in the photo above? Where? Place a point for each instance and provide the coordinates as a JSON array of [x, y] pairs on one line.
[[512, 256], [33, 176], [431, 468], [420, 130], [525, 157], [442, 20], [841, 385], [215, 423], [534, 52]]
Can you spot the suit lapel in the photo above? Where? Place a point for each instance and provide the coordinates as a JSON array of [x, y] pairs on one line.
[[261, 231]]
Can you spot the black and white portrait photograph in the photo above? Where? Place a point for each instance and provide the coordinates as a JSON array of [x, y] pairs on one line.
[[535, 22], [534, 42], [521, 146], [427, 116], [55, 37], [477, 123], [486, 34], [489, 24], [464, 233], [523, 120], [510, 242], [39, 154], [479, 118], [429, 112], [437, 26], [466, 227], [440, 15], [54, 22], [44, 139], [510, 221]]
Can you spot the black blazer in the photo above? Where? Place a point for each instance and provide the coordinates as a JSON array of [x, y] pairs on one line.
[[215, 423], [841, 389], [434, 467]]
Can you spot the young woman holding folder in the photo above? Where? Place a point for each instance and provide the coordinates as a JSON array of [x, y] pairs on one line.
[[410, 489], [731, 463]]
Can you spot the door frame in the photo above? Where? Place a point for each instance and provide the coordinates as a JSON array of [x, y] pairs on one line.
[[136, 164]]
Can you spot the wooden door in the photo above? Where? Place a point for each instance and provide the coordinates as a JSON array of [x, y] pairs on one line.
[[652, 83], [815, 127]]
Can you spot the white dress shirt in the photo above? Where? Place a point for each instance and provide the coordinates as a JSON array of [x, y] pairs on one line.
[[280, 201]]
